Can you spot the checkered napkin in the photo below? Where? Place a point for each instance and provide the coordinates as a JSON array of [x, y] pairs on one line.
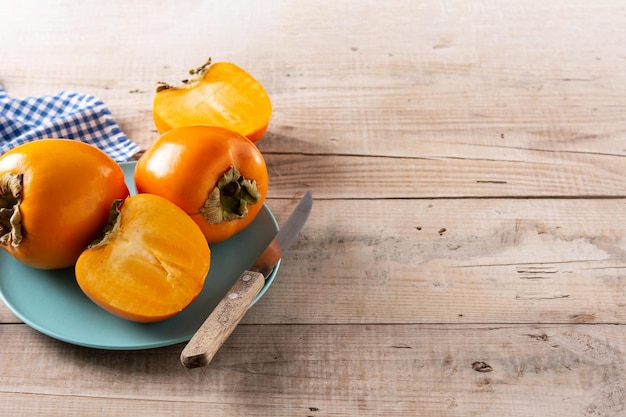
[[66, 115]]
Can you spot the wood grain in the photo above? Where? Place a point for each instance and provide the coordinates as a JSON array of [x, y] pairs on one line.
[[337, 176], [304, 370], [436, 261], [448, 72], [222, 321], [466, 254], [450, 260]]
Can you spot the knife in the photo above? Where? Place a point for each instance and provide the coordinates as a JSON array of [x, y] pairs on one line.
[[205, 343]]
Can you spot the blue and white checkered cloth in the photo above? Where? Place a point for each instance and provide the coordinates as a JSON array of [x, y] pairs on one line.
[[66, 115]]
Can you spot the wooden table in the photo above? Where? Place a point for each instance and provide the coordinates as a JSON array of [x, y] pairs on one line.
[[466, 255]]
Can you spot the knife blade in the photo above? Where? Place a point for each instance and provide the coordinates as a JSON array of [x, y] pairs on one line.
[[219, 325]]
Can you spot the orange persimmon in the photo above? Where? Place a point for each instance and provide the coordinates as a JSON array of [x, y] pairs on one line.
[[221, 94], [55, 196], [149, 264], [215, 175]]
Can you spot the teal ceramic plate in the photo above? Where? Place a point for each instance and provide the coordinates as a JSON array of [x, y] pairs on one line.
[[52, 303]]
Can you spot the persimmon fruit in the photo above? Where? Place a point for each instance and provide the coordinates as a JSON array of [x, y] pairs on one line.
[[220, 94], [55, 196], [149, 264], [215, 175]]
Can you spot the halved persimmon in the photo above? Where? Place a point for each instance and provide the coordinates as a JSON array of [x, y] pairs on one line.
[[150, 263], [220, 94]]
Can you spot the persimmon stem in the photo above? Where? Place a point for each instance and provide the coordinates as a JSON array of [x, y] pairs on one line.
[[197, 73], [230, 198], [231, 189], [10, 216]]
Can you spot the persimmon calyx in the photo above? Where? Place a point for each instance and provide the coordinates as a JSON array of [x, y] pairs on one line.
[[197, 74], [10, 216], [230, 198], [112, 226]]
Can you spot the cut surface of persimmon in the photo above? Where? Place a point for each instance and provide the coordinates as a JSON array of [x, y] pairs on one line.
[[150, 264], [221, 94]]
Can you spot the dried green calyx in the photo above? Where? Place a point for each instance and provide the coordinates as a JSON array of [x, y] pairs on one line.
[[10, 217], [230, 198]]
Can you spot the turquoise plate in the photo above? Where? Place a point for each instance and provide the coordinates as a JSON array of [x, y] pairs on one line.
[[52, 303]]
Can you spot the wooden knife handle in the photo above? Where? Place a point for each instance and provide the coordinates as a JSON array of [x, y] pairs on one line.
[[222, 321]]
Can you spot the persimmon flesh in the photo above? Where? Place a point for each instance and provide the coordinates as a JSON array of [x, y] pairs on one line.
[[150, 264], [222, 94]]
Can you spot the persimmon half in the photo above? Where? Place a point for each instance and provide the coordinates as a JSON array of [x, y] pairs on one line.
[[219, 94], [150, 263], [55, 196], [215, 175]]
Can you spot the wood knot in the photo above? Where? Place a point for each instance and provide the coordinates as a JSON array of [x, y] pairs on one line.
[[480, 366]]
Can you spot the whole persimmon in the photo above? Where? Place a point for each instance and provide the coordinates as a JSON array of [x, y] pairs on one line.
[[149, 264], [215, 175], [220, 94], [55, 196]]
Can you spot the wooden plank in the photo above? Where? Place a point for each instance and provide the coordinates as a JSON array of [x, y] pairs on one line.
[[310, 370], [336, 176], [441, 76], [449, 261], [6, 316], [429, 297], [534, 125]]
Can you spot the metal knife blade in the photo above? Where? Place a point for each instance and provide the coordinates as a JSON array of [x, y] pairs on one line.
[[285, 237], [205, 343]]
